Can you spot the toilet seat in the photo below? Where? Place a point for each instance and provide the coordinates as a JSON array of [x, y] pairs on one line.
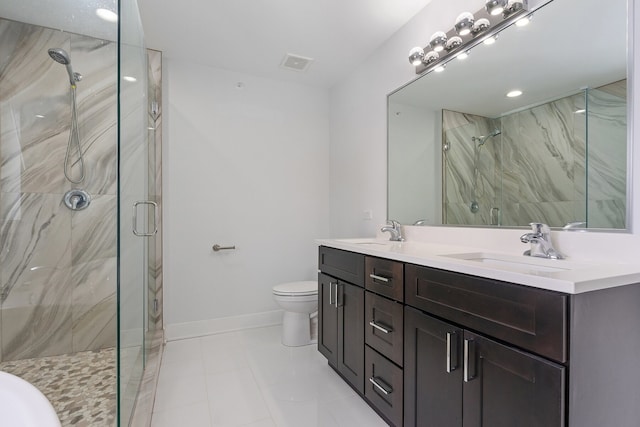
[[306, 288]]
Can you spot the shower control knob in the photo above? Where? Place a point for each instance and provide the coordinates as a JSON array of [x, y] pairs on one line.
[[77, 199]]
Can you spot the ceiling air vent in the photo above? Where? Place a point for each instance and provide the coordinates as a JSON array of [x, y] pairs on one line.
[[296, 62]]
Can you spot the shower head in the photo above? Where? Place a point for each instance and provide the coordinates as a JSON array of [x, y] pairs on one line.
[[62, 57], [482, 139]]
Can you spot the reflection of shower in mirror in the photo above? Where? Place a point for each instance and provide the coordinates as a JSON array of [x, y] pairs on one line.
[[474, 206]]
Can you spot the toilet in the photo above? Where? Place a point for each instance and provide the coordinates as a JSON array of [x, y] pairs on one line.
[[298, 300]]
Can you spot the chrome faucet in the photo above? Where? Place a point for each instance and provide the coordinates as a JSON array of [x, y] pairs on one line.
[[540, 240], [395, 229]]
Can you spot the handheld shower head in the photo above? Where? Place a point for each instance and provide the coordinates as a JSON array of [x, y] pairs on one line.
[[482, 139], [62, 57]]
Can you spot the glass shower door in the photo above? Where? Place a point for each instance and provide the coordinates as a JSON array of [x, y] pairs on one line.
[[136, 223]]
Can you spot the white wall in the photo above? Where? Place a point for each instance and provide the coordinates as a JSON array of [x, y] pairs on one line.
[[245, 167], [358, 142]]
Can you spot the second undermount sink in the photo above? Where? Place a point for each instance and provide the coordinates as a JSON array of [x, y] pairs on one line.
[[527, 265]]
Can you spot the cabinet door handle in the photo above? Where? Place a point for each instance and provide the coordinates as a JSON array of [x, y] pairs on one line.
[[379, 278], [339, 295], [384, 329], [382, 387], [469, 358], [331, 302], [452, 351]]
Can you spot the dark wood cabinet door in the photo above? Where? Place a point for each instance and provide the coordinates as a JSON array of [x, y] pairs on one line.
[[505, 387], [351, 334], [432, 372], [328, 318]]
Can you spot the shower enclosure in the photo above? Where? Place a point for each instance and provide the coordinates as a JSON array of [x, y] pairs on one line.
[[80, 291]]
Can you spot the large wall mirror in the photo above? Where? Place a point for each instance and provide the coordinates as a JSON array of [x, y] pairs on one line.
[[461, 152]]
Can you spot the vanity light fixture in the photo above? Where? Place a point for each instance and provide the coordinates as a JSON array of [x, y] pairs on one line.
[[463, 55], [495, 7], [416, 55], [464, 23], [440, 68], [514, 93], [468, 31], [438, 41]]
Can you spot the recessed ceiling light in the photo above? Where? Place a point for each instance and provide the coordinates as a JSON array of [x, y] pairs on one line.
[[107, 15], [129, 79], [514, 93]]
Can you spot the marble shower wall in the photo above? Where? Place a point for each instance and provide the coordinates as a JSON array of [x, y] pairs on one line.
[[57, 266], [537, 169]]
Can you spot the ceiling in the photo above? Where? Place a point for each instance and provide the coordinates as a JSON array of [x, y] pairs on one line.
[[253, 36]]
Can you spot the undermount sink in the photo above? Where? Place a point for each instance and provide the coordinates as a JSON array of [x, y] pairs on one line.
[[528, 265]]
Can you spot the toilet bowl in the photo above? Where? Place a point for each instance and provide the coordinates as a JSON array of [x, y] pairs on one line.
[[298, 300]]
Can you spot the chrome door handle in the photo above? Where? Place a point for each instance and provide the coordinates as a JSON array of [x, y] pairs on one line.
[[380, 328], [134, 219], [380, 278], [383, 388], [469, 354], [452, 340], [331, 293]]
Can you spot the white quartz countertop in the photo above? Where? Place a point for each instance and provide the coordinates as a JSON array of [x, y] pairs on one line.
[[568, 276]]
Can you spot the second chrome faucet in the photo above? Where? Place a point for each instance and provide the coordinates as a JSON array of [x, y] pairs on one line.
[[395, 229], [540, 240]]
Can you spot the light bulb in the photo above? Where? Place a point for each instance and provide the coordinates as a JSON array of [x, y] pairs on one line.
[[416, 56], [464, 23], [438, 41]]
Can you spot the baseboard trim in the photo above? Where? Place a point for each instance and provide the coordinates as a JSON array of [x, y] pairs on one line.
[[201, 328]]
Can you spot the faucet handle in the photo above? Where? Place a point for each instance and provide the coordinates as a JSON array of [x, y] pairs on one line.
[[539, 227]]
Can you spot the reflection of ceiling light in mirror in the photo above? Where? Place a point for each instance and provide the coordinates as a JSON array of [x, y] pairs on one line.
[[580, 111], [490, 40], [514, 93], [440, 68], [463, 55], [495, 7], [464, 23], [416, 55], [39, 116], [524, 21], [107, 15], [129, 79], [438, 41]]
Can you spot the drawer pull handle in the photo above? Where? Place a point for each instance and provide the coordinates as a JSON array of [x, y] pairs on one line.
[[380, 278], [331, 293], [386, 330], [469, 357], [382, 387], [452, 352]]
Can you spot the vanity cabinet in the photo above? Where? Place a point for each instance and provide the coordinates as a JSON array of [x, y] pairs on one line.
[[341, 313], [457, 378], [457, 350]]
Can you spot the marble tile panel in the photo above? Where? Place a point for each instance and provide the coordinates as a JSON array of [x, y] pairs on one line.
[[607, 214], [94, 305], [93, 230]]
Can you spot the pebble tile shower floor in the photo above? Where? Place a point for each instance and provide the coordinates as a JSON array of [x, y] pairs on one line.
[[80, 386]]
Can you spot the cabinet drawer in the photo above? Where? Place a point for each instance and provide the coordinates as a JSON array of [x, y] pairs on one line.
[[384, 386], [385, 277], [383, 322], [533, 319], [345, 265]]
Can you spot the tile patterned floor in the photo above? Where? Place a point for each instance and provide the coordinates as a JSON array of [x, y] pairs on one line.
[[250, 379], [80, 386]]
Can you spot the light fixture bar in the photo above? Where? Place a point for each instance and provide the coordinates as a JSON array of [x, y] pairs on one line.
[[496, 24]]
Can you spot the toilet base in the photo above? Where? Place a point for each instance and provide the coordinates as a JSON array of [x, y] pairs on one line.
[[296, 329]]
